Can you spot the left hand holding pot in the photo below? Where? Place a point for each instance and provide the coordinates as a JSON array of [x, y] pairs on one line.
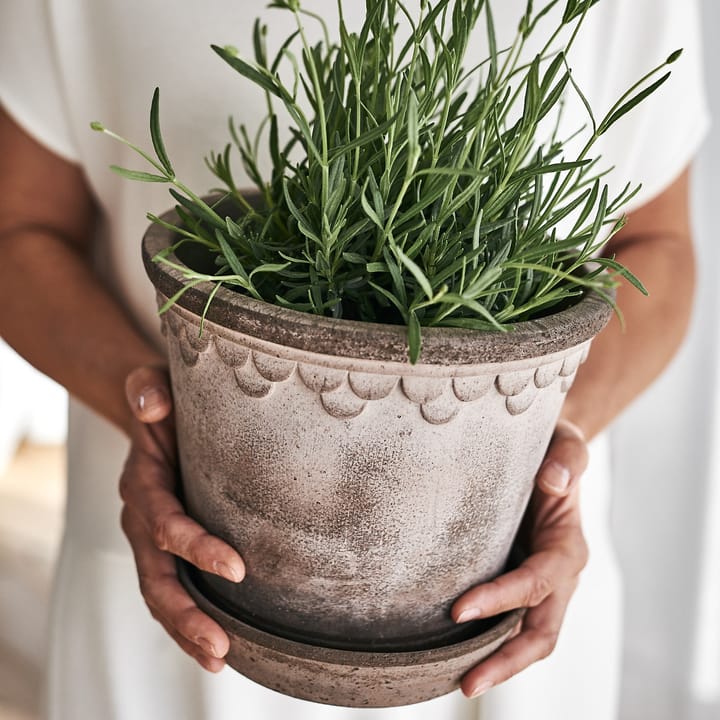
[[158, 529], [546, 580]]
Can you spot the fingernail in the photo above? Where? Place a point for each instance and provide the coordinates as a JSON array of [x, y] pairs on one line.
[[481, 689], [470, 614], [151, 399], [556, 476], [229, 573], [207, 646]]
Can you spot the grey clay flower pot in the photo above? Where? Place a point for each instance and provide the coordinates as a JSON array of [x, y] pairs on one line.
[[365, 494]]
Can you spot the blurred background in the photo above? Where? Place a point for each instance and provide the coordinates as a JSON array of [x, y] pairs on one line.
[[666, 515], [32, 486]]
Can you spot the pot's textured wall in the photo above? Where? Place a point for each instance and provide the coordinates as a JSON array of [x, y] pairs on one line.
[[364, 496]]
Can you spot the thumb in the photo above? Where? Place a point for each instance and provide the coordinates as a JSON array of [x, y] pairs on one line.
[[565, 461], [148, 393]]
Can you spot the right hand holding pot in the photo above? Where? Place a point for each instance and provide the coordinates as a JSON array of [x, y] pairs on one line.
[[546, 580], [158, 529]]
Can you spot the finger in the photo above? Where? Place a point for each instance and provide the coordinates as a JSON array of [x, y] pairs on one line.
[[148, 495], [166, 598], [565, 460], [174, 608], [527, 586], [536, 641], [208, 662], [148, 394]]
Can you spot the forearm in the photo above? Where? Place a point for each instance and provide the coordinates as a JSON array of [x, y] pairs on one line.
[[53, 308], [624, 361], [55, 312]]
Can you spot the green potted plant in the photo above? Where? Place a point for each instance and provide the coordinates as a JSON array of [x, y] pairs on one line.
[[369, 350]]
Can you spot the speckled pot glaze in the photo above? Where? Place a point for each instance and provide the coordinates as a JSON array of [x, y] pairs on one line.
[[365, 494], [348, 677]]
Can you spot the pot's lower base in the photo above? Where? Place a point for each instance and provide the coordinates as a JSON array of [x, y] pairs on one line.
[[346, 677]]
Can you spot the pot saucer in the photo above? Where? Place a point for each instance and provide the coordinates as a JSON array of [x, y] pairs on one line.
[[347, 677]]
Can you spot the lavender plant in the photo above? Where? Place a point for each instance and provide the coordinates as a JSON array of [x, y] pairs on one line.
[[410, 188]]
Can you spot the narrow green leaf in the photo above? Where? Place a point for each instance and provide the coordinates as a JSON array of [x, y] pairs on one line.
[[416, 272], [414, 338], [601, 213], [532, 93], [211, 297], [389, 296], [475, 307], [548, 169], [551, 73], [138, 175], [369, 210], [229, 254], [582, 97], [171, 301], [246, 70], [355, 258], [376, 267], [269, 268], [366, 139], [553, 98], [197, 211], [156, 134], [259, 33], [575, 8], [625, 108], [413, 139], [301, 219], [492, 43], [396, 275], [623, 272]]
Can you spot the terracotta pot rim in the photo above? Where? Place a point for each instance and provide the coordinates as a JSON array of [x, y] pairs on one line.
[[565, 329]]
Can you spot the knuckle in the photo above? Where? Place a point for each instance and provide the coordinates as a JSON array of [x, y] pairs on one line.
[[160, 531], [184, 621], [125, 521], [547, 643], [583, 555], [578, 553], [148, 591], [540, 588], [124, 484]]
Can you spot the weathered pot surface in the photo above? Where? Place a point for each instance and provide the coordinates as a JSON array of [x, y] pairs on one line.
[[345, 677], [365, 494]]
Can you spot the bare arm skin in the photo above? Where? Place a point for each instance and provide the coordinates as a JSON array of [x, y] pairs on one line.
[[54, 311], [656, 244]]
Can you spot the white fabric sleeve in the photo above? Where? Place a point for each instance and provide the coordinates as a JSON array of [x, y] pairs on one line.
[[30, 79], [654, 143]]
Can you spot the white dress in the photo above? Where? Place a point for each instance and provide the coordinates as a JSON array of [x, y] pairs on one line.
[[63, 64]]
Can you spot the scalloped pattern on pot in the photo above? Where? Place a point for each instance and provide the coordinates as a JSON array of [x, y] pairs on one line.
[[345, 394]]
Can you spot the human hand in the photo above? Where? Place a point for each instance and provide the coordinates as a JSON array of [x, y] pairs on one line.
[[546, 580], [158, 529]]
